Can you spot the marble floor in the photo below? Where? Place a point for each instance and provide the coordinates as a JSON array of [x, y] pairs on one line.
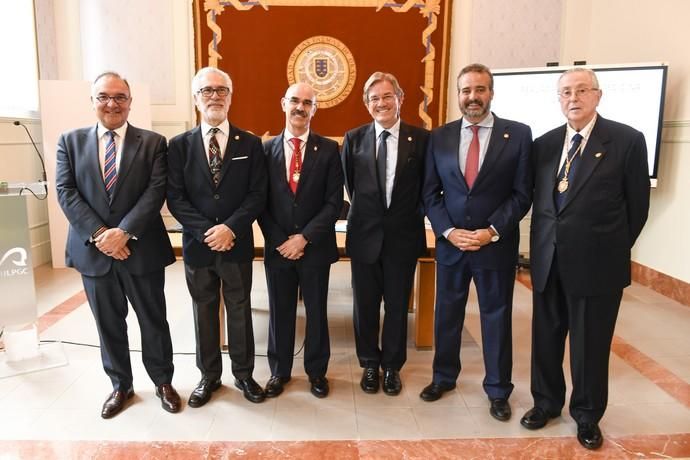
[[55, 413]]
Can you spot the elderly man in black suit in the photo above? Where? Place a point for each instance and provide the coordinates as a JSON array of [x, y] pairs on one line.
[[110, 181], [305, 194], [591, 199], [216, 189], [384, 163]]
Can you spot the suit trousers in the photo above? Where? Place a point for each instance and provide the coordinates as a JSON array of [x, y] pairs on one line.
[[283, 283], [391, 281], [205, 285], [107, 296], [590, 321], [495, 297]]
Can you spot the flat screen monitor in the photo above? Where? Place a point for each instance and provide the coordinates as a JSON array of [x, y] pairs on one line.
[[632, 94]]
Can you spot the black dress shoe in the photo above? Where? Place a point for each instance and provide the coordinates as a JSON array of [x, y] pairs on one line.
[[274, 386], [535, 418], [115, 402], [500, 409], [319, 386], [434, 391], [170, 400], [589, 435], [370, 380], [391, 382], [202, 393], [251, 390]]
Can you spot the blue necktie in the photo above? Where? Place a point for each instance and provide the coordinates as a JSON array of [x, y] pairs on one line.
[[381, 164], [110, 174], [572, 157]]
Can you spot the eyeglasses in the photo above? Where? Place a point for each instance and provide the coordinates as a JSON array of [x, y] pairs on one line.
[[579, 92], [119, 99], [386, 98], [296, 101], [221, 91]]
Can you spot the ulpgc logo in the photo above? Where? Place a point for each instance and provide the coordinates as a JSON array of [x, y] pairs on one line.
[[13, 263]]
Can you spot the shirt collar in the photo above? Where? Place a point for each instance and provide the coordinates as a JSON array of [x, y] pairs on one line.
[[121, 131], [584, 132], [487, 122], [394, 130], [224, 127], [288, 135]]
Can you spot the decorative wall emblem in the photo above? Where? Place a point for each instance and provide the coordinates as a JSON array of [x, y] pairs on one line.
[[327, 65]]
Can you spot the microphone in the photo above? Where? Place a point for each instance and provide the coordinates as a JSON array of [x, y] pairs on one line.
[[43, 164]]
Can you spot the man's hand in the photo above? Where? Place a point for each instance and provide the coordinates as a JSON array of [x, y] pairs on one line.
[[113, 243], [465, 240], [220, 238], [293, 247]]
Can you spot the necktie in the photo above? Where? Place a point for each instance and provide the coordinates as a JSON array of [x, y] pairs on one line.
[[567, 172], [295, 164], [109, 168], [472, 161], [381, 165], [214, 160]]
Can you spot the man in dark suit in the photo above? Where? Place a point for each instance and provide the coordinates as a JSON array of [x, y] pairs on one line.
[[591, 198], [110, 181], [305, 194], [216, 189], [383, 163], [477, 188]]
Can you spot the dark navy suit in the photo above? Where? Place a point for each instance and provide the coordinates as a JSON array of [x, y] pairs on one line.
[[312, 212], [134, 207], [198, 205], [500, 196]]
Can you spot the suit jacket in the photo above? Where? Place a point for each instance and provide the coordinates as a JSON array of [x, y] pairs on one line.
[[372, 230], [501, 194], [312, 211], [134, 207], [602, 215], [198, 204]]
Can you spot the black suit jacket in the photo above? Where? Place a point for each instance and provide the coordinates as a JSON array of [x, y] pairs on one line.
[[199, 205], [312, 211], [372, 229], [501, 194], [602, 215], [135, 205]]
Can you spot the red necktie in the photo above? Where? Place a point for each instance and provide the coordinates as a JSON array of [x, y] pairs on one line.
[[295, 164], [472, 163]]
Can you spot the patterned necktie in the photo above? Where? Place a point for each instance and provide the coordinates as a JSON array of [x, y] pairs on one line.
[[381, 165], [214, 161], [572, 159], [472, 162], [110, 169], [295, 164]]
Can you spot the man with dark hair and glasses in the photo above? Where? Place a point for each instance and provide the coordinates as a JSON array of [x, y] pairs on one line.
[[216, 189], [384, 169], [110, 181], [305, 194], [591, 199]]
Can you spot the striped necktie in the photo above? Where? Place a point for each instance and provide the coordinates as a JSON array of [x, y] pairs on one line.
[[110, 167]]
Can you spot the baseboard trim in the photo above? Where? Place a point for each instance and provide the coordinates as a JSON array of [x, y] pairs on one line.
[[666, 285]]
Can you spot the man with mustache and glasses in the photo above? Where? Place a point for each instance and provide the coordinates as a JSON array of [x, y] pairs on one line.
[[383, 163], [305, 194], [216, 189], [591, 199], [477, 188]]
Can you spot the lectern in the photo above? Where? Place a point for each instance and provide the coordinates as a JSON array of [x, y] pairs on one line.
[[18, 312]]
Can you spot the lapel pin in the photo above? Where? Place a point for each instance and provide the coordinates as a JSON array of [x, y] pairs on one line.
[[409, 139], [598, 154], [506, 135], [237, 137], [316, 148]]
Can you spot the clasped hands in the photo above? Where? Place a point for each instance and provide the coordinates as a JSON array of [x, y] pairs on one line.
[[113, 243], [469, 240], [219, 238], [293, 247]]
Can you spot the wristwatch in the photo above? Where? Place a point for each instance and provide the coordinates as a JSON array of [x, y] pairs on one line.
[[494, 236]]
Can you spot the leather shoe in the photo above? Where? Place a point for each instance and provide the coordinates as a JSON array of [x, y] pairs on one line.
[[319, 386], [274, 386], [434, 391], [391, 382], [589, 435], [370, 380], [170, 400], [500, 409], [535, 418], [116, 402], [251, 390], [202, 393]]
